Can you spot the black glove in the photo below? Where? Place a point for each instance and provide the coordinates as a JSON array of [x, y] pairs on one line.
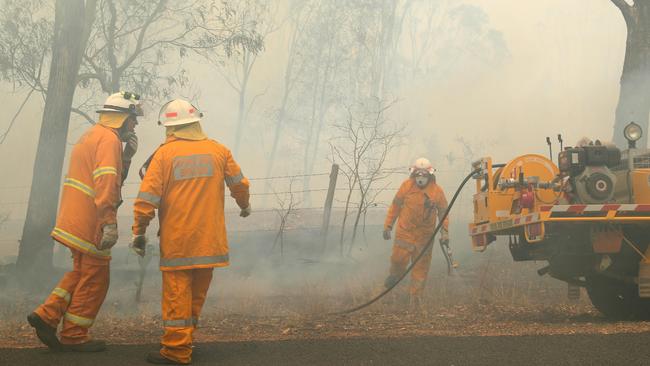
[[131, 146], [386, 233], [139, 244]]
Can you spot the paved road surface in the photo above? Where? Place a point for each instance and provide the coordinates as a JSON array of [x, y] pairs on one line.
[[617, 349]]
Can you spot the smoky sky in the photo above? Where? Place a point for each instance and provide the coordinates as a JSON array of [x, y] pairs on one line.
[[498, 77]]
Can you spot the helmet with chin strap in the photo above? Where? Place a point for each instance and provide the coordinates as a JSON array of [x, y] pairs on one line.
[[123, 102], [422, 171]]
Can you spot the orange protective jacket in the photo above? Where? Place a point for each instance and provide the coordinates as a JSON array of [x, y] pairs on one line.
[[185, 181], [91, 191], [416, 211]]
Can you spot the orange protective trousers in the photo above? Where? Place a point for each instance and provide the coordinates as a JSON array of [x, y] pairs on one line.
[[403, 255], [183, 296], [77, 298]]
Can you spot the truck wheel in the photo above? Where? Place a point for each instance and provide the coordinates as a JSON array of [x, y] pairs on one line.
[[617, 299]]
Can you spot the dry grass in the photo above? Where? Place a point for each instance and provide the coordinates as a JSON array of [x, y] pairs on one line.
[[489, 295]]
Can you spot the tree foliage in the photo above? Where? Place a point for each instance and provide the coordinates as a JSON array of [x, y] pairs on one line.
[[25, 43], [132, 45]]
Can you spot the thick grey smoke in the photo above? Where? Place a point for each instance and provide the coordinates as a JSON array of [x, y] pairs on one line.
[[489, 78]]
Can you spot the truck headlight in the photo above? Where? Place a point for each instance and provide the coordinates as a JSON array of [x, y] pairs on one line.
[[632, 133]]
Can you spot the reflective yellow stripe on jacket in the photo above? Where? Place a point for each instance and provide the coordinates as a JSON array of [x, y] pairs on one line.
[[194, 261], [103, 170], [149, 197], [79, 243], [79, 185]]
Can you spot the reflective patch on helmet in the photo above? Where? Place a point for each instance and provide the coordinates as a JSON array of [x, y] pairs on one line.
[[193, 166]]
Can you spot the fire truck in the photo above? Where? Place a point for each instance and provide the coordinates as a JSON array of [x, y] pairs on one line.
[[587, 218]]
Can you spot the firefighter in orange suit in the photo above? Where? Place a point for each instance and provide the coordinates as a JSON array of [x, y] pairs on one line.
[[415, 207], [185, 180], [87, 224]]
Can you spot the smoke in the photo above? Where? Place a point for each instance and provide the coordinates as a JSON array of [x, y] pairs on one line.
[[494, 78]]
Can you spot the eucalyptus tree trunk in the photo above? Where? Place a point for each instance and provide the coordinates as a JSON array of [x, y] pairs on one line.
[[35, 252], [634, 98]]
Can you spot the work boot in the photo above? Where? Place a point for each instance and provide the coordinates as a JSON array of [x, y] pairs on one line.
[[415, 303], [44, 332], [158, 359], [90, 346]]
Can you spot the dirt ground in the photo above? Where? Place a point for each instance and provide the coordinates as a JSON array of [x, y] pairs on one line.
[[594, 349], [394, 319], [288, 299]]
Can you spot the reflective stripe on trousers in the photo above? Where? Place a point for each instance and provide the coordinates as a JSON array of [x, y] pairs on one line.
[[190, 261], [79, 320], [406, 246], [62, 293], [181, 323]]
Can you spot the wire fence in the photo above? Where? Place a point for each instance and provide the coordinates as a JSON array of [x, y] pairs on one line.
[[263, 192], [392, 170]]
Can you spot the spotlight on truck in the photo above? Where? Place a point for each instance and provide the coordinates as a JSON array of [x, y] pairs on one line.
[[632, 133]]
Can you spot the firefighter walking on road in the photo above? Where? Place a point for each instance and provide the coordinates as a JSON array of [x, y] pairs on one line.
[[87, 224], [185, 181], [416, 207]]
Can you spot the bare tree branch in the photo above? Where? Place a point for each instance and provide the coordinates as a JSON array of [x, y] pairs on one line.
[[83, 114], [138, 49], [13, 120], [99, 72], [285, 210], [83, 77]]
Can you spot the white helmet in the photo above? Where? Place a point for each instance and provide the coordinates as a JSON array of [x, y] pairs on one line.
[[123, 102], [178, 112], [422, 164]]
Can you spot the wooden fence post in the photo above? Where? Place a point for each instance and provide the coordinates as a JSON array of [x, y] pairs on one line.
[[328, 203]]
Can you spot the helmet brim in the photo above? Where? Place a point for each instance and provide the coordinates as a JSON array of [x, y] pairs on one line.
[[137, 111], [180, 122]]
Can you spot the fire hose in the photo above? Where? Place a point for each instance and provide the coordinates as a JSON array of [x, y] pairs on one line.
[[445, 249]]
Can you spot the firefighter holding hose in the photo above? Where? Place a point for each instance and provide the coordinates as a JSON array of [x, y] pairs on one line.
[[416, 208]]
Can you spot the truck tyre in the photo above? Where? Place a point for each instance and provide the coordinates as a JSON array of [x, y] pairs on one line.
[[616, 299]]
